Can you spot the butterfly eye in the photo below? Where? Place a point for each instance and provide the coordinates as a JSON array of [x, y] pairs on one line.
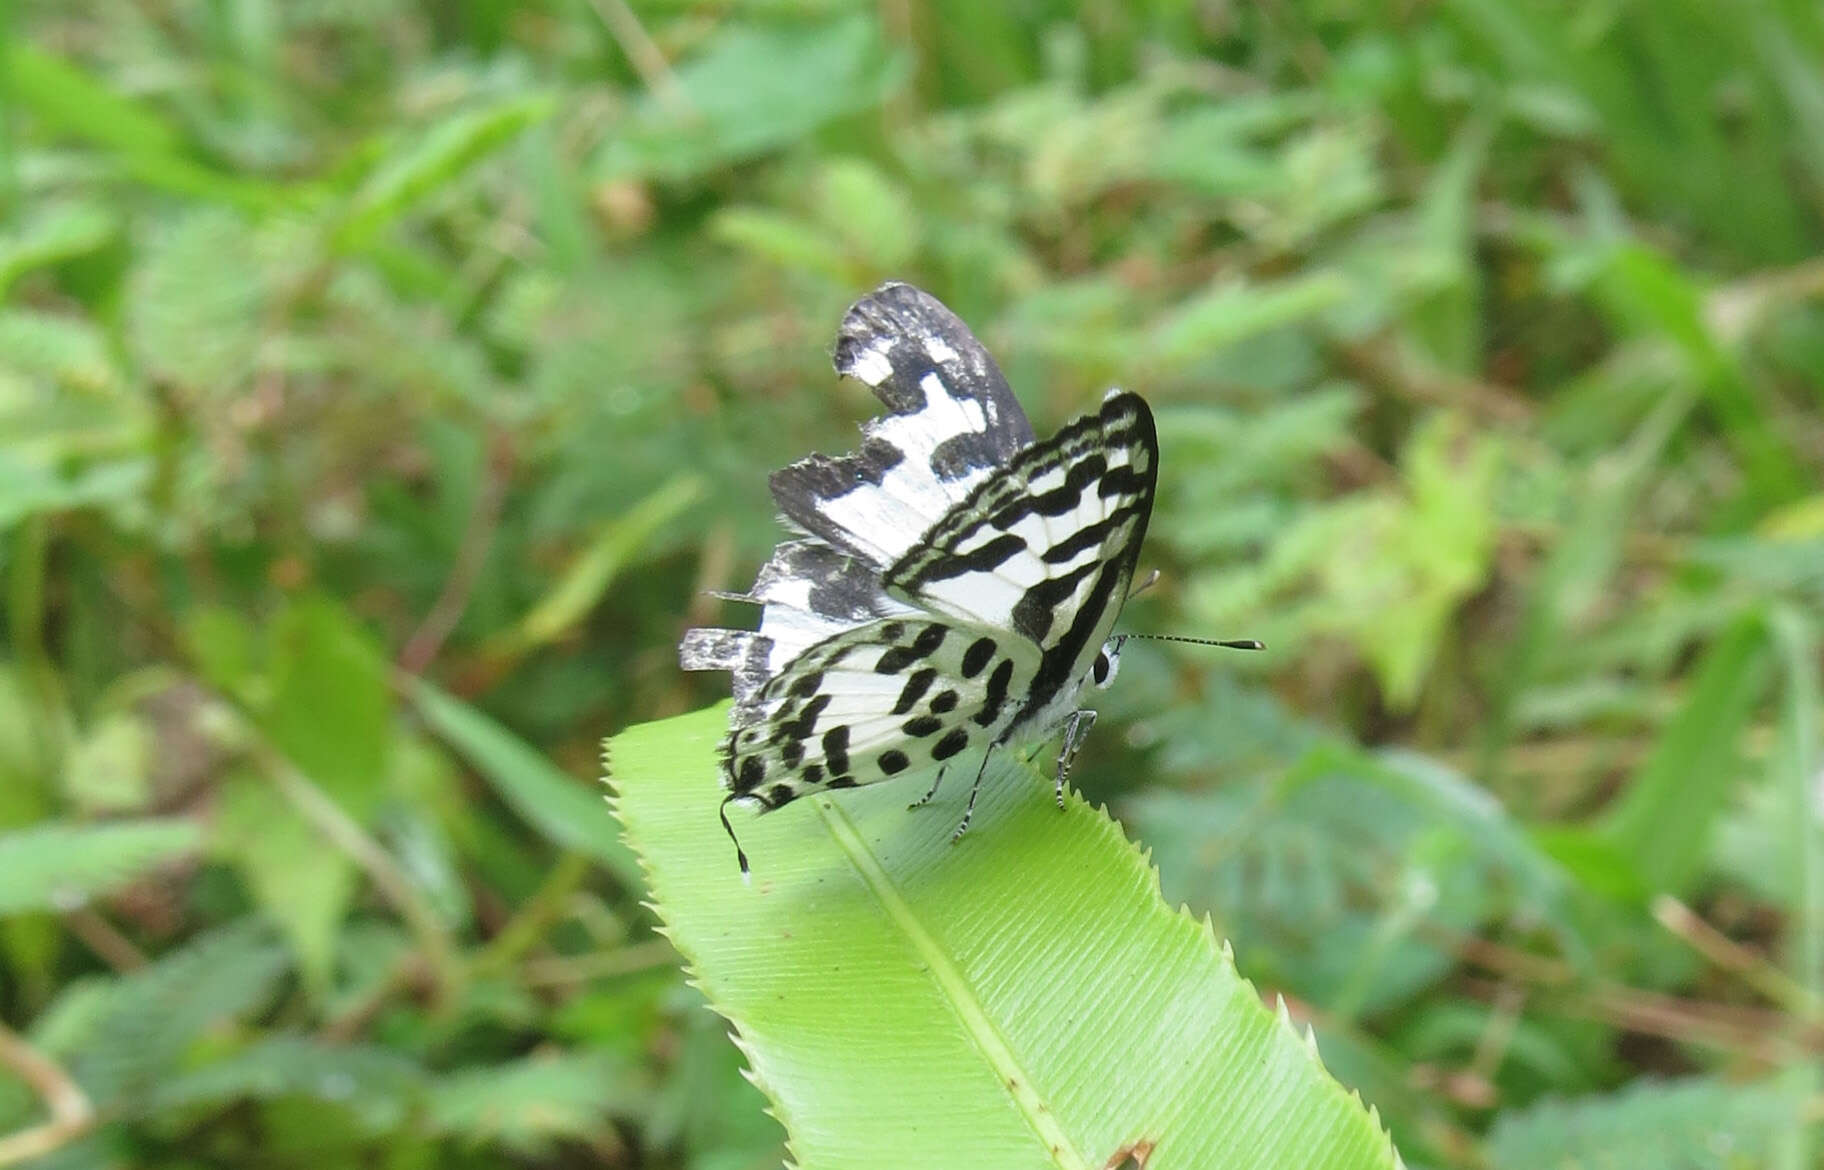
[[1108, 661]]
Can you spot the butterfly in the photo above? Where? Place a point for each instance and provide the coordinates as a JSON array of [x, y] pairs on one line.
[[951, 586]]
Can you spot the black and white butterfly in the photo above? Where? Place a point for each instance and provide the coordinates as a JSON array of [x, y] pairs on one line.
[[954, 582]]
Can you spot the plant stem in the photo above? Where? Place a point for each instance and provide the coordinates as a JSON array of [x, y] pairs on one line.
[[71, 1113]]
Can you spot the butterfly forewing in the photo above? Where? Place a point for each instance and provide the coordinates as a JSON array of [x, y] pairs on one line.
[[1046, 547]]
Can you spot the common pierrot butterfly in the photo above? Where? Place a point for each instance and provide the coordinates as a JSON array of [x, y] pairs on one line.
[[952, 585]]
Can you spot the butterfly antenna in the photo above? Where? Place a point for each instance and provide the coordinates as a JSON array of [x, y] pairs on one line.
[[1225, 643], [740, 854]]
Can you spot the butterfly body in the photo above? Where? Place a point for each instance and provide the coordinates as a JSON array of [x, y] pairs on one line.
[[956, 579]]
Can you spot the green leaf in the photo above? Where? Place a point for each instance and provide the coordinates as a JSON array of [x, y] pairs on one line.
[[148, 147], [589, 576], [55, 866], [429, 160], [61, 232], [528, 1103], [74, 103], [1394, 565], [1663, 821], [788, 241], [379, 1085], [1448, 320], [153, 1015], [192, 319], [109, 768], [1651, 294], [568, 812], [871, 215], [302, 885], [331, 709], [1026, 998], [1229, 313], [745, 94], [1694, 1124], [27, 488]]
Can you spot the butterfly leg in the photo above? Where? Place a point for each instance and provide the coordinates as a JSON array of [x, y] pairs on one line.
[[926, 798], [973, 789], [1076, 730]]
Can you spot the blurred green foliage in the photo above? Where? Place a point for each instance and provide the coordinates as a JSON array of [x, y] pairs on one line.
[[382, 385]]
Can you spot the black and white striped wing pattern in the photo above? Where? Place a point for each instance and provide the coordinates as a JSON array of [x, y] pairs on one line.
[[952, 421], [1045, 549], [954, 578]]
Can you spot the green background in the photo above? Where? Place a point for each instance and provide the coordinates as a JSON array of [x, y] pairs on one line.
[[383, 385]]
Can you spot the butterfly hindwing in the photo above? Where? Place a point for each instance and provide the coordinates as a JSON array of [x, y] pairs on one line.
[[885, 699], [952, 421]]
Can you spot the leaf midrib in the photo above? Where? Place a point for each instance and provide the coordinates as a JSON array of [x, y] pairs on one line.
[[956, 990]]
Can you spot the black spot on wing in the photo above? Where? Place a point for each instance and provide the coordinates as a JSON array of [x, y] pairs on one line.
[[977, 656], [953, 742], [752, 774], [805, 724], [897, 658], [996, 693], [893, 761], [914, 690], [920, 726], [836, 749]]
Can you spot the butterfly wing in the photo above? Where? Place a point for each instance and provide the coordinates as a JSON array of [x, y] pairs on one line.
[[952, 421], [955, 579], [1046, 547], [810, 592], [874, 702]]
